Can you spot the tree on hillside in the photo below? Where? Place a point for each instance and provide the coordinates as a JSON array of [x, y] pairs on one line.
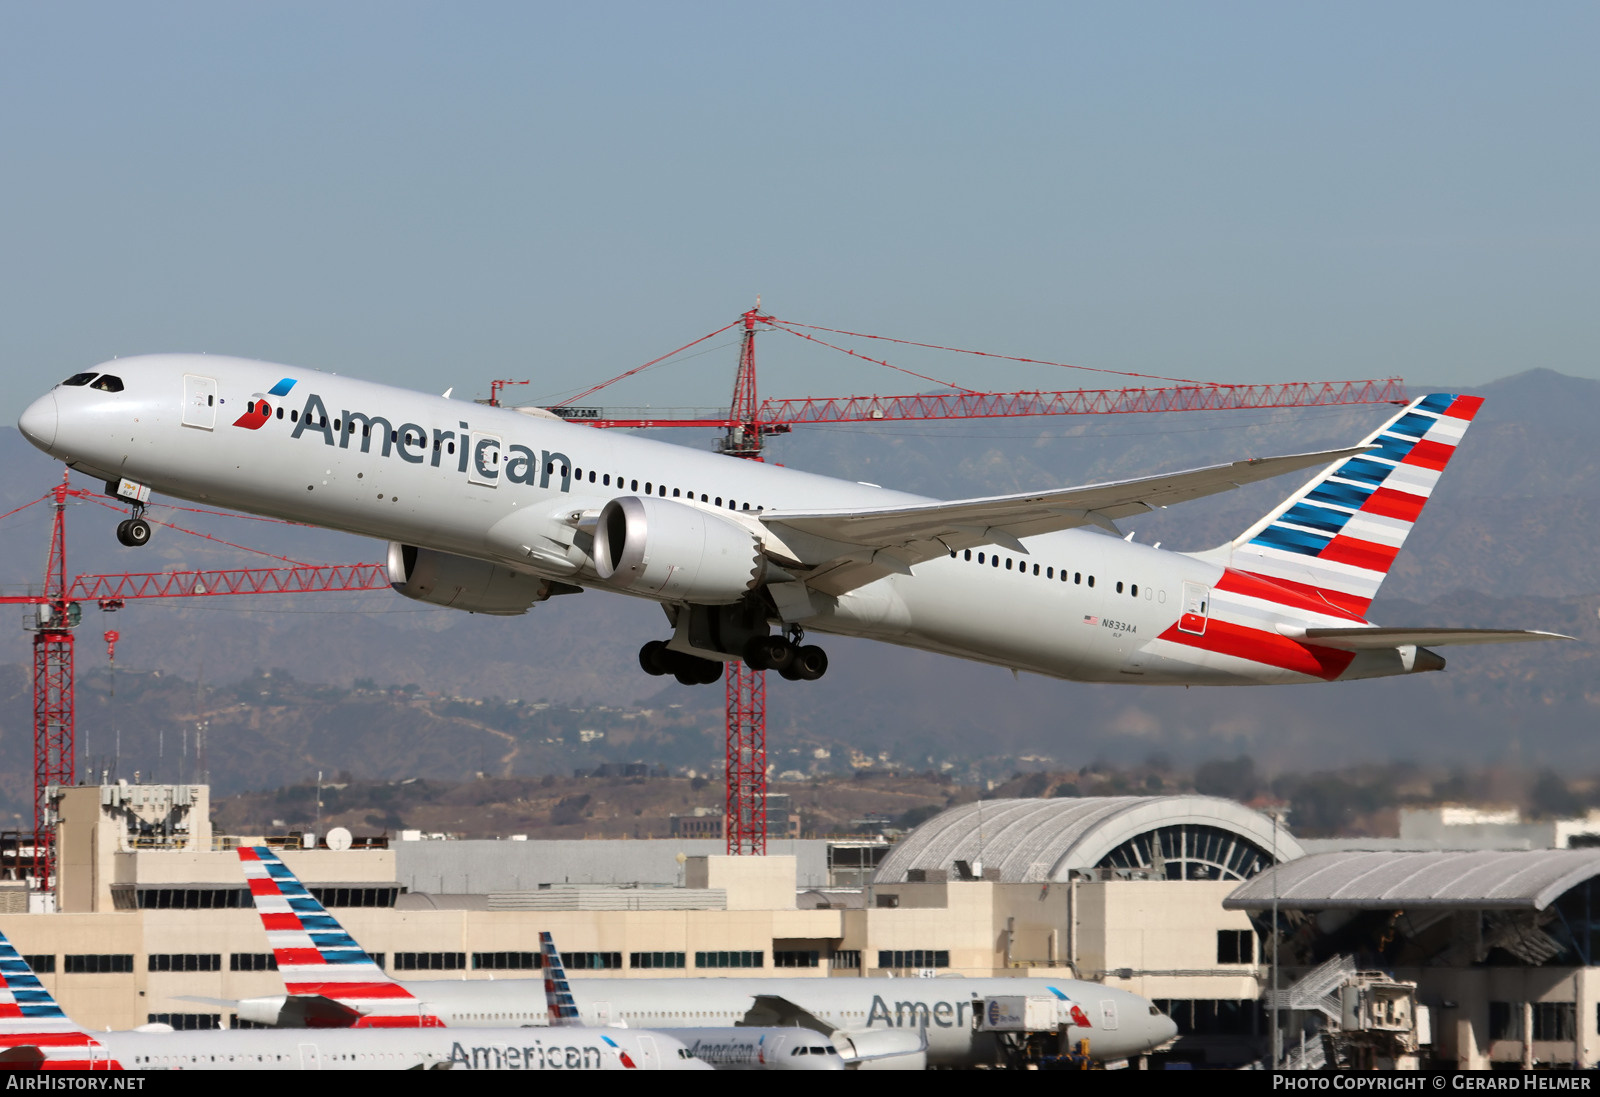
[[1235, 780]]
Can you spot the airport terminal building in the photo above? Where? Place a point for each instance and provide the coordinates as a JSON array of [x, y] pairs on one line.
[[1170, 897]]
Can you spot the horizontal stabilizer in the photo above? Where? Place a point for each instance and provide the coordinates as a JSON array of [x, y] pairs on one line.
[[1377, 639], [892, 539]]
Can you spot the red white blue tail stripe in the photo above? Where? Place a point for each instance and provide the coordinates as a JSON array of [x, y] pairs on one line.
[[34, 1033], [316, 957], [557, 992], [1336, 538]]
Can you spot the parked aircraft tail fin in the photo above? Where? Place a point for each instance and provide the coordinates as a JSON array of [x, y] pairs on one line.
[[34, 1033], [318, 959], [1337, 536], [557, 993]]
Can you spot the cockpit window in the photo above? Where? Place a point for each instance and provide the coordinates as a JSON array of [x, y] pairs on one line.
[[80, 379], [108, 383]]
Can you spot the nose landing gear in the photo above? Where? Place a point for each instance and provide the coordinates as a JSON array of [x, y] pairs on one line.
[[134, 532]]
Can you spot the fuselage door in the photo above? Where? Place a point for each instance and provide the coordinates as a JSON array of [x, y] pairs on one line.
[[199, 401], [309, 1057], [1196, 604], [1108, 1013], [648, 1059], [483, 462]]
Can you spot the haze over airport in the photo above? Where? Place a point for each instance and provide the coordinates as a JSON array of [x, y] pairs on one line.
[[439, 195]]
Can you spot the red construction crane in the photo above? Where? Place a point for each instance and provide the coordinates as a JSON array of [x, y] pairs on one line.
[[749, 421], [60, 610]]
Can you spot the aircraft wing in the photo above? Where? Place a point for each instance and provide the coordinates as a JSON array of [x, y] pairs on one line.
[[892, 539], [1374, 639], [776, 1011], [854, 1046], [316, 1011]]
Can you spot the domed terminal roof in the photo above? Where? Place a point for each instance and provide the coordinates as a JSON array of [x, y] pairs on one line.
[[1035, 841]]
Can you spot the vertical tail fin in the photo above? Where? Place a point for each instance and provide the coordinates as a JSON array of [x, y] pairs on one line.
[[318, 959], [557, 994], [1336, 537], [34, 1033]]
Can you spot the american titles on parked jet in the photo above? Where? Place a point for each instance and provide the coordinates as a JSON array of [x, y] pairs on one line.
[[36, 1035], [331, 982], [491, 510], [731, 1023]]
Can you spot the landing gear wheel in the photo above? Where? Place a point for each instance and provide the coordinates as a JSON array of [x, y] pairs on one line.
[[768, 653], [693, 671], [655, 659], [134, 532], [790, 671], [810, 663]]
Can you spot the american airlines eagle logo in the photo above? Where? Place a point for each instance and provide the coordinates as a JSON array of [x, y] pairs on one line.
[[260, 407]]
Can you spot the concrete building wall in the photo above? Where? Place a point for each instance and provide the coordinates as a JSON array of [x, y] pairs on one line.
[[480, 867]]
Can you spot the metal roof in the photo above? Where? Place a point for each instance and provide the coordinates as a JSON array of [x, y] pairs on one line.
[[1032, 841], [1386, 880]]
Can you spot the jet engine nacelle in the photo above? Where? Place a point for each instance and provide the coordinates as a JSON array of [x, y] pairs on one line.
[[882, 1048], [675, 552], [460, 582]]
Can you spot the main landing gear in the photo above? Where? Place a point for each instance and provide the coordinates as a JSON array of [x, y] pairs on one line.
[[690, 670], [795, 661]]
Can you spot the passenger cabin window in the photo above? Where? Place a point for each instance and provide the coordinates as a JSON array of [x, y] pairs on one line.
[[108, 383], [79, 379]]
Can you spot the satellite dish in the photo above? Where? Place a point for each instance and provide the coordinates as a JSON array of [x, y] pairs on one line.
[[339, 838]]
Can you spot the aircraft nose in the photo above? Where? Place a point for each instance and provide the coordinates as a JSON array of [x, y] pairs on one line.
[[38, 422]]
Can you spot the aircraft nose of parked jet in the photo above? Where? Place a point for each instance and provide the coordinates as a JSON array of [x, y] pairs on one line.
[[38, 422]]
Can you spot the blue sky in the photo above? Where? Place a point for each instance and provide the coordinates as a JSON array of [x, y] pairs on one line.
[[441, 194]]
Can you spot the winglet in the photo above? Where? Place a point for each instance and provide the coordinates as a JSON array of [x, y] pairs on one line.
[[34, 1033], [318, 959], [557, 993]]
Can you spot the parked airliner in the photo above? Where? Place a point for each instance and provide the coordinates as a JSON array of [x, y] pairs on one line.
[[36, 1035], [873, 1024], [330, 981], [491, 510]]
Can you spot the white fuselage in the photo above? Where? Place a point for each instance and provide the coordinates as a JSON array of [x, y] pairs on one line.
[[398, 1049], [499, 485], [1122, 1024]]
